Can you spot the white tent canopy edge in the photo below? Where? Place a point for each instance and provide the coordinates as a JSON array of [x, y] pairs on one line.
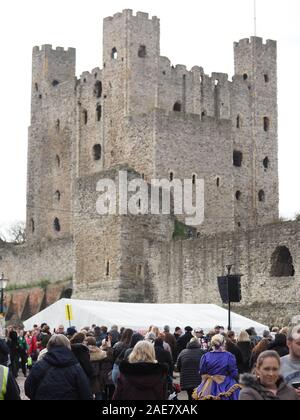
[[139, 316]]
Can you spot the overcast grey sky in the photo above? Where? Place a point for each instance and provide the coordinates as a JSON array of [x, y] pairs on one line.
[[193, 32]]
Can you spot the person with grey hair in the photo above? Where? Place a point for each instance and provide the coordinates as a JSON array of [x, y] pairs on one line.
[[114, 335], [290, 365], [58, 376]]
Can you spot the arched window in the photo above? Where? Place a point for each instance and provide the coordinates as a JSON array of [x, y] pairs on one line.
[[266, 162], [57, 195], [142, 51], [97, 150], [177, 107], [107, 268], [98, 89], [32, 225], [238, 195], [245, 76], [218, 182], [171, 176], [194, 178], [238, 121], [266, 124], [282, 263], [99, 112], [266, 77], [56, 225], [139, 270], [114, 53], [237, 159], [57, 159], [84, 116], [262, 196]]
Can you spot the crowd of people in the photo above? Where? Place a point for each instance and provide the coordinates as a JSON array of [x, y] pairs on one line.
[[101, 364]]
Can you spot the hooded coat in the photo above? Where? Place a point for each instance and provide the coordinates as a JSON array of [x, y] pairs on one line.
[[97, 357], [142, 381], [58, 376], [253, 390]]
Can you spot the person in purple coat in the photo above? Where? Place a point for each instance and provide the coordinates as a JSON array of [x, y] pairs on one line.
[[219, 372]]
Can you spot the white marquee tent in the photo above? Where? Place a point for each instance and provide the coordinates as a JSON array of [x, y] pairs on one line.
[[139, 316]]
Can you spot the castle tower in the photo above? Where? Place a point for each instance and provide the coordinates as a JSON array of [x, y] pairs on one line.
[[50, 143], [130, 74], [255, 132]]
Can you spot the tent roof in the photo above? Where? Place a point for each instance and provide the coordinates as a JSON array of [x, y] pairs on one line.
[[139, 316]]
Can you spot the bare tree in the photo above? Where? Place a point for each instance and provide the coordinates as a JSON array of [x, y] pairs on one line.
[[2, 235], [17, 233]]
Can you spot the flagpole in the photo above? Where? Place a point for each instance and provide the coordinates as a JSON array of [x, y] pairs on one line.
[[255, 19]]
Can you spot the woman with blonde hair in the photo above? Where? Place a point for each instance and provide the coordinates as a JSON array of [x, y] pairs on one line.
[[267, 384], [245, 346], [142, 378], [219, 374]]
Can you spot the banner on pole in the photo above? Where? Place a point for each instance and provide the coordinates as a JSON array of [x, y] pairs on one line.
[[69, 313]]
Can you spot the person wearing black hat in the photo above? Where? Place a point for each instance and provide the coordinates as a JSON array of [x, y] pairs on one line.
[[71, 331], [183, 341]]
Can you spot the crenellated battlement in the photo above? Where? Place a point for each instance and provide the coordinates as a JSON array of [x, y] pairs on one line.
[[128, 14], [90, 76], [47, 48], [255, 41]]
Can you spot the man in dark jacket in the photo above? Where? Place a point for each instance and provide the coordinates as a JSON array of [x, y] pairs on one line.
[[58, 376], [171, 340], [115, 335], [188, 365], [184, 340], [13, 345], [9, 390], [4, 352], [164, 356]]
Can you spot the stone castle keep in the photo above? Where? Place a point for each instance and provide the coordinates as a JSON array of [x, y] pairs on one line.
[[140, 113]]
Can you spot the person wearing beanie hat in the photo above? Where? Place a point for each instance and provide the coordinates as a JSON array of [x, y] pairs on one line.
[[71, 331], [188, 329]]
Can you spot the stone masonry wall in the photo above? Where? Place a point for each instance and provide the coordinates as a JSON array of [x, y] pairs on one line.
[[186, 145], [189, 269], [32, 263]]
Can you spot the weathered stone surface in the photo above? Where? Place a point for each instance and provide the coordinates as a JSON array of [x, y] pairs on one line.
[[141, 112]]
